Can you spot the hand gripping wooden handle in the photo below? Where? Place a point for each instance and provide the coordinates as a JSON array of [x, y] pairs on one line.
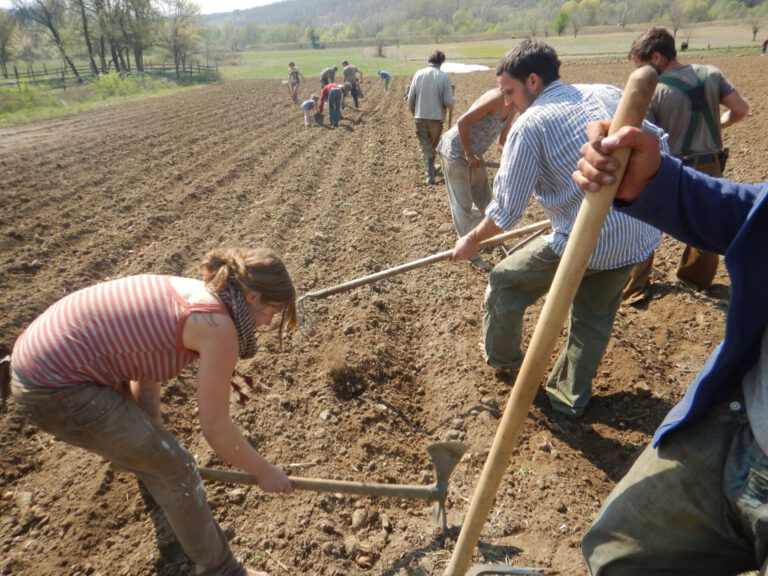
[[594, 209]]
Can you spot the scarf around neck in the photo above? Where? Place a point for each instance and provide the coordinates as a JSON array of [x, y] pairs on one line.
[[235, 303]]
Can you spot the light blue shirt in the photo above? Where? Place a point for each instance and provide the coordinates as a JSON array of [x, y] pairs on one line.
[[539, 157]]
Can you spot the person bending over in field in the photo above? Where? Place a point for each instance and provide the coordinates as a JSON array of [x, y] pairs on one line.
[[88, 371]]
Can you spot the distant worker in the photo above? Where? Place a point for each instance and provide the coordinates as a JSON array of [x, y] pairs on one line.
[[309, 107], [333, 94], [429, 95], [765, 45], [385, 78], [295, 78], [686, 105], [354, 77], [328, 76]]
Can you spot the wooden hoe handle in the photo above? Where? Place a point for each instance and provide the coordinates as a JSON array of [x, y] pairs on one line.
[[589, 221]]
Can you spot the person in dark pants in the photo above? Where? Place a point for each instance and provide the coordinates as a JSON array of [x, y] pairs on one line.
[[686, 104], [695, 501]]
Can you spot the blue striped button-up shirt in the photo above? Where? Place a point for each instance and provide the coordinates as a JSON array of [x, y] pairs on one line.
[[539, 157]]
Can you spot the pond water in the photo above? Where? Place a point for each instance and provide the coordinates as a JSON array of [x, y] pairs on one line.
[[458, 68]]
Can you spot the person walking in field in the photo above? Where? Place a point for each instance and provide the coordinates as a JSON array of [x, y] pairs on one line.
[[89, 371], [295, 78], [461, 150], [686, 104], [429, 95]]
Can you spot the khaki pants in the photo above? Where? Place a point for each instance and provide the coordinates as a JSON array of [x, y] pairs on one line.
[[101, 420]]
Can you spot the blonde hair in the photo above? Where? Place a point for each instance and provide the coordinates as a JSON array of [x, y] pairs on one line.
[[258, 270]]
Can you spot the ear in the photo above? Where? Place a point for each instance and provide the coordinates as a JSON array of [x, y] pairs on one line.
[[252, 297], [534, 83]]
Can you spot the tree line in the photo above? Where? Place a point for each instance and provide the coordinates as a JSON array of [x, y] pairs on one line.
[[112, 35], [116, 34]]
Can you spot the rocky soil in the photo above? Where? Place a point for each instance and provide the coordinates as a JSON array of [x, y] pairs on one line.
[[388, 369]]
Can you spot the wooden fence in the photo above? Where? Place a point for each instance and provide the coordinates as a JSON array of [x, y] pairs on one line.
[[62, 76]]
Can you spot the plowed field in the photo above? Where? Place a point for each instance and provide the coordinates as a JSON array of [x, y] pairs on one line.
[[390, 368]]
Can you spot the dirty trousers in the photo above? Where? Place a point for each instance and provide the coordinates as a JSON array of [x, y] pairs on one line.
[[467, 187], [695, 505], [103, 421], [521, 279], [428, 133]]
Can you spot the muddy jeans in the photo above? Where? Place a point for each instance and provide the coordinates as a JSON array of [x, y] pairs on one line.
[[100, 420], [695, 505], [521, 279], [467, 187]]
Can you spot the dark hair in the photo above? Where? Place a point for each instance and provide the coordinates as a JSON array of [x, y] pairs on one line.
[[259, 270], [530, 57], [654, 40], [437, 57]]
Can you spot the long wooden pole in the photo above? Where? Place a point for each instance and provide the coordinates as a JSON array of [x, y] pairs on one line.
[[440, 256], [589, 221]]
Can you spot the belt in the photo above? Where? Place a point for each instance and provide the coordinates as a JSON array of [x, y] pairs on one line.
[[701, 159]]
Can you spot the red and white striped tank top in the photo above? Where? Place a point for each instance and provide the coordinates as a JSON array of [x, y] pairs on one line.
[[112, 332]]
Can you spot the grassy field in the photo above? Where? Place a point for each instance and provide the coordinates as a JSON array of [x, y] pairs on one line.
[[405, 59]]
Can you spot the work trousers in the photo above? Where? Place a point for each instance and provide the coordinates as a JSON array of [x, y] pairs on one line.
[[428, 132], [467, 187], [521, 279], [335, 98], [695, 505], [101, 420]]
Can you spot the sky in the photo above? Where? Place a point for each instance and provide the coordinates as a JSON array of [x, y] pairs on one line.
[[206, 6]]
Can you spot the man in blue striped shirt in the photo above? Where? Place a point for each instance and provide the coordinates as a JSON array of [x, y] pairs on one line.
[[538, 158]]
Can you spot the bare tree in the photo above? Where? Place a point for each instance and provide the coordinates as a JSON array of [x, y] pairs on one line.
[[8, 26], [51, 15], [80, 4], [755, 17]]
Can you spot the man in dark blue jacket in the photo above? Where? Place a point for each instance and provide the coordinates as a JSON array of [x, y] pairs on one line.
[[695, 502]]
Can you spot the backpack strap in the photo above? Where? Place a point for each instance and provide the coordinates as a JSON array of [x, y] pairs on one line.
[[699, 107]]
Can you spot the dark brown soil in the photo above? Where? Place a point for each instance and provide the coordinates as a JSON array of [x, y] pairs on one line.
[[390, 368]]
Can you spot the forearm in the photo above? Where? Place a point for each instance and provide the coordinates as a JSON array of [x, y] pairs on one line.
[[228, 441]]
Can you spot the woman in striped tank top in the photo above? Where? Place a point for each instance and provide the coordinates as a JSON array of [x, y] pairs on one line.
[[89, 369]]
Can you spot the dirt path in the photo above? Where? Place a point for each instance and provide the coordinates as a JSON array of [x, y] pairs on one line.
[[390, 368]]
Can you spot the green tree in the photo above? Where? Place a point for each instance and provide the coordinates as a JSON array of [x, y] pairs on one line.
[[51, 15], [179, 30]]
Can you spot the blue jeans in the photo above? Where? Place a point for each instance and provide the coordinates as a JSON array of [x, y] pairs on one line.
[[355, 93], [695, 505], [101, 420], [334, 106], [521, 279]]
